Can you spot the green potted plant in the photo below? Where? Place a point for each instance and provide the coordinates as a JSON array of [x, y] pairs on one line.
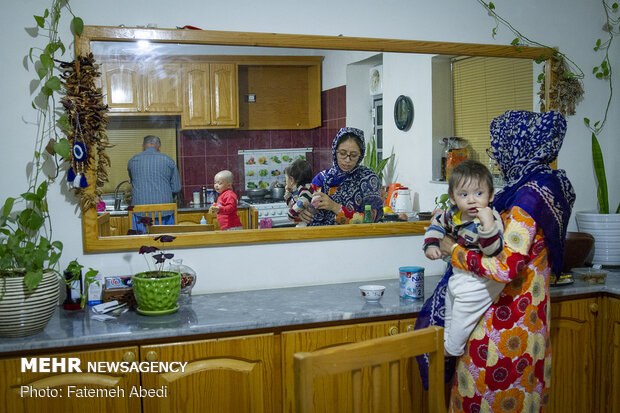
[[157, 290], [371, 160], [29, 257]]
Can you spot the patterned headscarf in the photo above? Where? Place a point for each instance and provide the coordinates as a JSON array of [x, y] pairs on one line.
[[523, 144], [356, 188]]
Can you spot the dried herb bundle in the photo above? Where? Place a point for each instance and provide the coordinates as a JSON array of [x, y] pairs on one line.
[[83, 103]]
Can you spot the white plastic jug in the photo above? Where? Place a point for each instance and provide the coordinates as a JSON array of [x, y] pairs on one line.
[[402, 201]]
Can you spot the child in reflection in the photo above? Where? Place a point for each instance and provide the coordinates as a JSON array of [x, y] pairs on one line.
[[226, 205], [298, 189], [476, 226]]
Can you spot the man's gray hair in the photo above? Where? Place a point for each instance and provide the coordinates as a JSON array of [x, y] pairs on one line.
[[151, 140]]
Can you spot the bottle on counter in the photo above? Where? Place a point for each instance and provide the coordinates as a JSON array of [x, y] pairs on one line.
[[203, 220], [204, 195], [188, 278], [367, 215]]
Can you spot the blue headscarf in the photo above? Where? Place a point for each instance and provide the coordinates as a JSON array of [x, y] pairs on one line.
[[355, 189], [523, 144]]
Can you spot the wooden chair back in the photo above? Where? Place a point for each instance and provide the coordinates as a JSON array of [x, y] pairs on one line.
[[154, 211], [103, 225], [351, 358]]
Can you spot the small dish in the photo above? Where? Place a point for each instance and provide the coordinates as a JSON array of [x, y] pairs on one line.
[[372, 293]]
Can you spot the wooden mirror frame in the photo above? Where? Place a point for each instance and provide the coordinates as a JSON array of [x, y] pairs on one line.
[[94, 243]]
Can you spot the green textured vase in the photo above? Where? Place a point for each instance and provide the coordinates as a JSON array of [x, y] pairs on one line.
[[157, 292]]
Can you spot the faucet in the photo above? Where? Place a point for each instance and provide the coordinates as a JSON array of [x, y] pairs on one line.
[[117, 200]]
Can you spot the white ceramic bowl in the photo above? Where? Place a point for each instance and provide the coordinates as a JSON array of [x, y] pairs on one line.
[[372, 292]]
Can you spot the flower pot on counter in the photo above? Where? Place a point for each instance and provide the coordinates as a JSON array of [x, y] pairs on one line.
[[23, 312], [605, 228], [157, 292]]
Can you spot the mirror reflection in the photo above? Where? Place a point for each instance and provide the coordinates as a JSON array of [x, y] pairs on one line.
[[254, 110]]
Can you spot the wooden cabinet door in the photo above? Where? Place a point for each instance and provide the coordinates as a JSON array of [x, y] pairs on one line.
[[121, 85], [162, 88], [222, 375], [331, 394], [68, 392], [413, 396], [223, 85], [610, 357], [196, 96], [574, 354]]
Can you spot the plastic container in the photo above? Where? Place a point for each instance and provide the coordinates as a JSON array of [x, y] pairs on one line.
[[367, 215], [411, 282]]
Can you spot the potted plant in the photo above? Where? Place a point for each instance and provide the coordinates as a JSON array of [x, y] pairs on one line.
[[29, 258], [157, 290]]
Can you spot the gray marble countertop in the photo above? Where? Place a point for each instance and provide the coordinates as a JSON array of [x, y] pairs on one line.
[[248, 310]]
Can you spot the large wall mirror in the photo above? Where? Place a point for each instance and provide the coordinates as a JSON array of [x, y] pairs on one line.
[[200, 149]]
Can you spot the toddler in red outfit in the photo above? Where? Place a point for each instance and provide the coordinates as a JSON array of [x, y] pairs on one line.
[[226, 205]]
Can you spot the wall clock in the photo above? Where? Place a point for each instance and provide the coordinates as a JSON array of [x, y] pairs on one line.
[[403, 112]]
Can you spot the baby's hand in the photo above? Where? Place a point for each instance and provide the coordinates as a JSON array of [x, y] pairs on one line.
[[215, 209], [485, 215], [433, 253]]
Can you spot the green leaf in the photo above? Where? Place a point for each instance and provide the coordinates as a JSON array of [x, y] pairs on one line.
[[594, 69], [53, 83], [63, 123], [597, 123], [30, 196], [78, 25], [491, 6], [8, 206], [33, 278], [46, 60], [42, 190], [46, 13], [515, 41], [62, 148], [614, 7], [599, 75], [42, 72], [57, 245], [40, 21], [586, 121], [601, 180]]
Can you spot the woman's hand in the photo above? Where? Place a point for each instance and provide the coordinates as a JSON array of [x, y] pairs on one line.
[[322, 201], [446, 246], [305, 216]]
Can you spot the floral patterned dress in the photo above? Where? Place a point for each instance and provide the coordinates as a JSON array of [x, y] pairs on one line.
[[507, 362]]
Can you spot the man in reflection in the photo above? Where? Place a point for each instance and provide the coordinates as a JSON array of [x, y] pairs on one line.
[[154, 179]]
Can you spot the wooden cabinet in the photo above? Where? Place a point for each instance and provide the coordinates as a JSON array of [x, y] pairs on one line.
[[574, 355], [67, 392], [222, 375], [610, 356], [130, 87], [331, 393], [287, 94], [248, 218], [210, 95]]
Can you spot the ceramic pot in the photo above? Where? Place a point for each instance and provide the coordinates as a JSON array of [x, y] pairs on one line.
[[157, 292], [605, 228], [24, 313], [578, 250]]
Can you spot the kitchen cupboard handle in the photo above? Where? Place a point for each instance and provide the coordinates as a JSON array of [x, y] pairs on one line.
[[151, 356], [393, 331], [129, 356], [410, 327], [594, 308]]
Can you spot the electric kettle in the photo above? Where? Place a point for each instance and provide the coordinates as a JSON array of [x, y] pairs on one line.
[[402, 200]]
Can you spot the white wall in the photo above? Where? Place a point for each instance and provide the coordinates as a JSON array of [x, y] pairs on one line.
[[221, 269]]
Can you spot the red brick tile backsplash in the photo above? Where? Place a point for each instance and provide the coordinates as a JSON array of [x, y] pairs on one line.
[[202, 153]]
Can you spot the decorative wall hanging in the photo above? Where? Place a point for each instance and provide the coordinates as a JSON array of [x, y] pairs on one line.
[[85, 110]]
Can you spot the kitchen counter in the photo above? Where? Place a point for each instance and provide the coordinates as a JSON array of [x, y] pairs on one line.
[[187, 207], [249, 310]]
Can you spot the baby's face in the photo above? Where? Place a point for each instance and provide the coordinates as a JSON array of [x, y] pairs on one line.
[[220, 185], [290, 182]]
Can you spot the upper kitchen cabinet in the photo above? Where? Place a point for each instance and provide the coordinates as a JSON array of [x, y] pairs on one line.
[[130, 87], [210, 95], [280, 93]]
